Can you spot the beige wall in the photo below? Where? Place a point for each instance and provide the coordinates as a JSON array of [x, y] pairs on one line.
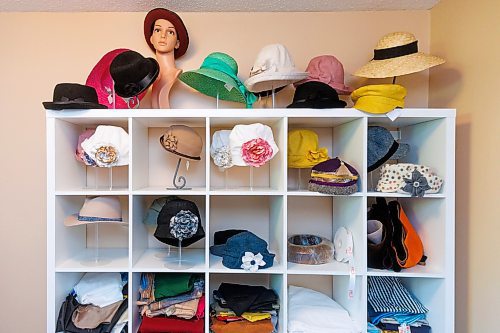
[[39, 50], [467, 34]]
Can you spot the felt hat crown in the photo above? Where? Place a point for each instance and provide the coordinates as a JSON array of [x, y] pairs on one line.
[[179, 220], [106, 209], [132, 73], [180, 28], [382, 147], [329, 70], [316, 95], [217, 77], [273, 68], [397, 54], [182, 140], [303, 149], [73, 96]]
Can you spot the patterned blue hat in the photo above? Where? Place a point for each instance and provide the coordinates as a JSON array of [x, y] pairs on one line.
[[382, 147], [244, 250]]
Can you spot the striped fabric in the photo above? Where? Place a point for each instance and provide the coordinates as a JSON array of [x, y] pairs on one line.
[[387, 294]]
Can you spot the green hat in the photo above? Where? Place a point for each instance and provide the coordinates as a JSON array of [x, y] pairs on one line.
[[218, 76]]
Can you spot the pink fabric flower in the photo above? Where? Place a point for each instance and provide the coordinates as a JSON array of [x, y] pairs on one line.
[[256, 152]]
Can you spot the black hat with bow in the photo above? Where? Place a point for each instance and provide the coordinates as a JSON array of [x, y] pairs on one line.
[[73, 96], [316, 95]]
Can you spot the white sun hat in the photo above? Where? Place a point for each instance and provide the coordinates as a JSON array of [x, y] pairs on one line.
[[108, 147], [219, 149], [273, 68], [252, 145]]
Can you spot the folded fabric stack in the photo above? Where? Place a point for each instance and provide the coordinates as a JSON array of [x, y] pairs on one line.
[[244, 309], [391, 305], [97, 304], [310, 311], [172, 303]]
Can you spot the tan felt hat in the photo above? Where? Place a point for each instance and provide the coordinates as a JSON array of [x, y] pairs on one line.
[[182, 140], [397, 54]]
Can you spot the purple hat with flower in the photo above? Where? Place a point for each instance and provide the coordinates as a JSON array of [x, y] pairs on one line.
[[179, 221]]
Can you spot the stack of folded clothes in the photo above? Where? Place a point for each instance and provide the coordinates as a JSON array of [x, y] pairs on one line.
[[172, 302], [391, 305], [244, 309], [97, 304]]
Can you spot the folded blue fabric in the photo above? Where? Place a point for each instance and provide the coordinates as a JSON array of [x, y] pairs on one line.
[[387, 294]]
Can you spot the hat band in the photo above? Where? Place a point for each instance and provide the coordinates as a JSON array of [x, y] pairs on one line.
[[99, 219], [218, 65], [396, 51]]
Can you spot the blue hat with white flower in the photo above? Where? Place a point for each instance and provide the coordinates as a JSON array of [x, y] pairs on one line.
[[244, 250], [179, 222]]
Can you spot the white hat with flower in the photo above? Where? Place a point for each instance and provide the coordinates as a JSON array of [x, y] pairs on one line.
[[252, 145], [219, 149]]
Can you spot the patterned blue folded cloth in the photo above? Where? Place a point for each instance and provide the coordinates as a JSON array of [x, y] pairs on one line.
[[387, 294]]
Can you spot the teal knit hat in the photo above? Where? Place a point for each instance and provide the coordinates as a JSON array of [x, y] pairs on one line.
[[218, 76]]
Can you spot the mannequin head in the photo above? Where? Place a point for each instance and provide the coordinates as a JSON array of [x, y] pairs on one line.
[[164, 36], [165, 32]]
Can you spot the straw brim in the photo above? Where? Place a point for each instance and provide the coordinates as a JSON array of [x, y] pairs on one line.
[[211, 82], [273, 80], [379, 69], [72, 221]]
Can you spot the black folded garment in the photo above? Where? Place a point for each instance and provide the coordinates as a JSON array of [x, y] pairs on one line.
[[65, 323], [241, 298]]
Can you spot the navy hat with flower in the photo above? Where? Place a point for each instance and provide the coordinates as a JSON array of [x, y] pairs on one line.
[[179, 222]]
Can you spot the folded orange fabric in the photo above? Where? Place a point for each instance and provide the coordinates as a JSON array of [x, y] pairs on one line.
[[243, 326]]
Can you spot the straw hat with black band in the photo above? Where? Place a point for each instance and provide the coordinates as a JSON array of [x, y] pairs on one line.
[[397, 54]]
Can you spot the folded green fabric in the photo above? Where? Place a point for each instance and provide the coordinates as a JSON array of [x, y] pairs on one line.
[[169, 285]]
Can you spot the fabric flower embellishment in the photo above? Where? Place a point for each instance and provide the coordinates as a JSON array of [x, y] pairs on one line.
[[106, 156], [251, 262], [169, 141], [416, 185], [184, 225], [317, 155], [256, 152], [222, 157]]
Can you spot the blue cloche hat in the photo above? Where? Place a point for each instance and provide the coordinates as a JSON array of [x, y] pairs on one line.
[[382, 147], [236, 251]]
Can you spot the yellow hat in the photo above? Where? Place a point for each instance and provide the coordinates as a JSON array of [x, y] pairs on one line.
[[303, 151], [379, 98]]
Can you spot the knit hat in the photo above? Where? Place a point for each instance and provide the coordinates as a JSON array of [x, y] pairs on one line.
[[329, 70], [217, 76], [397, 54], [182, 140], [252, 145], [303, 150], [382, 147], [334, 177], [380, 98], [273, 68]]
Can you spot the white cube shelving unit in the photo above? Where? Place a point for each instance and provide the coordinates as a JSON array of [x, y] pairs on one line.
[[276, 207]]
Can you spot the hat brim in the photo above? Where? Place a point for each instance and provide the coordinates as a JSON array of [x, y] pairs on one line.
[[180, 28], [196, 158], [213, 83], [162, 233], [333, 104], [416, 62], [72, 105], [373, 104], [218, 250], [72, 221], [321, 187], [273, 80]]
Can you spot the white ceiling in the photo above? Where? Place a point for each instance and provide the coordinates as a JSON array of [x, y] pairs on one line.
[[212, 5]]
